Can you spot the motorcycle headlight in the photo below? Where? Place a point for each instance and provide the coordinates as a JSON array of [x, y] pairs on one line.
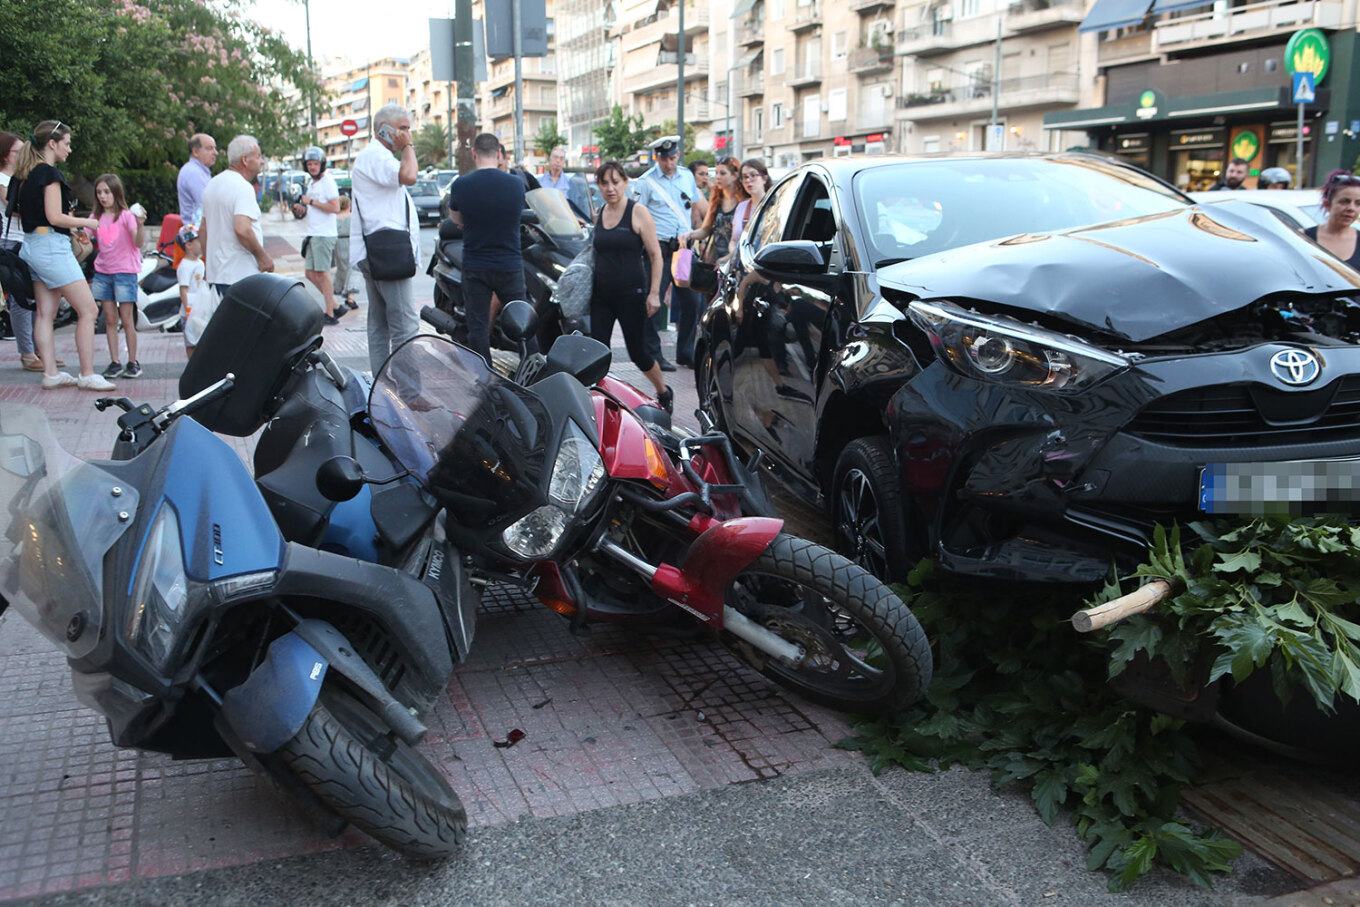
[[578, 472], [159, 591], [536, 535], [1008, 352]]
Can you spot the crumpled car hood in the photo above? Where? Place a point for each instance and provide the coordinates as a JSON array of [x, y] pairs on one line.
[[1134, 279]]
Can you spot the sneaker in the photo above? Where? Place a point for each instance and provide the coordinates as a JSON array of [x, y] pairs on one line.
[[114, 370], [329, 320], [131, 370], [60, 379], [341, 311], [91, 383]]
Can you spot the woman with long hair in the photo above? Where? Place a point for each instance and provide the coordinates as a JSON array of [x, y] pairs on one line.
[[116, 270], [12, 240], [755, 179], [728, 196], [42, 203], [627, 288], [1341, 201]]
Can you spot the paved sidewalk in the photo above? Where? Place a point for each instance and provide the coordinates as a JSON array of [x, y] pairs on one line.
[[652, 770]]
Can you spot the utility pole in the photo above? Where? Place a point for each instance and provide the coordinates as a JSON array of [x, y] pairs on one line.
[[996, 90], [466, 129], [307, 8], [515, 29], [680, 94]]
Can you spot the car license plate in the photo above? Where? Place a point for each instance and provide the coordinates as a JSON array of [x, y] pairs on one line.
[[1298, 487]]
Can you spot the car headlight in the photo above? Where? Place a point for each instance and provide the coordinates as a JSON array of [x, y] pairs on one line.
[[159, 591], [1008, 352], [578, 472], [536, 535]]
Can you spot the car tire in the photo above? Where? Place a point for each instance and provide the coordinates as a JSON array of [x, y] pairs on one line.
[[868, 514], [710, 391]]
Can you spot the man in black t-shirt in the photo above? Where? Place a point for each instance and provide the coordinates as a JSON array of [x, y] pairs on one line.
[[487, 203]]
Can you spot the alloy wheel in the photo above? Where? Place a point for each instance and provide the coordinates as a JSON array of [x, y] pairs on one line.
[[859, 524]]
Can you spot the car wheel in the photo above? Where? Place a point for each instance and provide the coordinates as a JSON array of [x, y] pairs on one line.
[[867, 510], [710, 391]]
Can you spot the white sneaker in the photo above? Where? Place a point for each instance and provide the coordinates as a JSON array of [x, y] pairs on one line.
[[94, 382], [60, 379]]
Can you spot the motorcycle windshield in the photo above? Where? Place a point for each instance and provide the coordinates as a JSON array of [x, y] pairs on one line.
[[477, 441], [554, 214], [59, 516]]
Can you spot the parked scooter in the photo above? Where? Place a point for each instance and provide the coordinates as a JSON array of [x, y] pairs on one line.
[[199, 631], [550, 237], [158, 305]]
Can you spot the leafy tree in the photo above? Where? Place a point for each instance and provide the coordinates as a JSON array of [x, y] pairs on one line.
[[136, 78], [432, 144], [548, 138], [668, 127], [620, 135]]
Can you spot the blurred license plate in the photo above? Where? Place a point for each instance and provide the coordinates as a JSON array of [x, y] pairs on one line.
[[1300, 487]]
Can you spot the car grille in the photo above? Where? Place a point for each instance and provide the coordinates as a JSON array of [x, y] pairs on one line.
[[1240, 414]]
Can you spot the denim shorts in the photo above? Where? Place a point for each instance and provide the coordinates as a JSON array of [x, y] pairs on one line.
[[50, 260], [115, 287]]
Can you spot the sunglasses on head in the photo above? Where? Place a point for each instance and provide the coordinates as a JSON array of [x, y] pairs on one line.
[[1346, 178]]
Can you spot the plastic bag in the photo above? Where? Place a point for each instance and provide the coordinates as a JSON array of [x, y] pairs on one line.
[[576, 286], [682, 266]]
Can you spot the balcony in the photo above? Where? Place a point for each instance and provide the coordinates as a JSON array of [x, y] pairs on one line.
[[696, 22], [806, 18], [868, 61], [971, 98], [944, 35], [1243, 22], [804, 76], [640, 77], [864, 7], [1037, 15], [749, 85], [751, 32], [1137, 46]]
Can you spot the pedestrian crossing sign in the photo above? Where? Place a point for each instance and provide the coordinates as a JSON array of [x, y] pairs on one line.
[[1304, 92]]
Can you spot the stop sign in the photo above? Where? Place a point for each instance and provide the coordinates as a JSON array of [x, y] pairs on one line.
[[349, 127]]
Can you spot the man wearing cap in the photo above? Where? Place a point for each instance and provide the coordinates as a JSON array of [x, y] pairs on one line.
[[668, 191]]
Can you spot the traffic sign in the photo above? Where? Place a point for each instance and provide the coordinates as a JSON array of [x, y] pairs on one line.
[[349, 127], [1304, 92]]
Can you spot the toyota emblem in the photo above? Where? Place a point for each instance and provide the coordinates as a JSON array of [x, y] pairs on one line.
[[1295, 367]]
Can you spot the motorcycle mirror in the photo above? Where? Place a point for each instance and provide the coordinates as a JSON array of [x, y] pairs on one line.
[[528, 216], [449, 231], [339, 479], [517, 320]]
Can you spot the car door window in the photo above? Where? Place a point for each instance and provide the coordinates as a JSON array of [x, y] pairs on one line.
[[770, 219], [814, 218]]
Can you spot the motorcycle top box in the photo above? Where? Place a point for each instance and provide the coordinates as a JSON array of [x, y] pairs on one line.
[[262, 330]]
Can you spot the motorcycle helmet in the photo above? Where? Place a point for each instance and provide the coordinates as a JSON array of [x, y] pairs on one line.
[[313, 153]]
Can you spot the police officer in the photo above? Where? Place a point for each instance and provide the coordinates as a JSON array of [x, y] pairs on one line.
[[668, 191]]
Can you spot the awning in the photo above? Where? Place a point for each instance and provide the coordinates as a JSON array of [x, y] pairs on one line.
[[743, 7], [1114, 14], [1171, 6], [359, 84], [749, 58]]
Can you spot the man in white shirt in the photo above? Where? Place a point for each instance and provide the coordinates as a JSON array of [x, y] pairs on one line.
[[233, 241], [321, 202], [377, 186]]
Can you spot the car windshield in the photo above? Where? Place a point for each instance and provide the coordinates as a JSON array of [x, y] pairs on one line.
[[476, 440], [554, 214], [444, 177], [424, 188], [919, 208]]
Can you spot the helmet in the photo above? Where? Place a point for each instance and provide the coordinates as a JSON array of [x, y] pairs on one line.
[[313, 153], [1276, 176]]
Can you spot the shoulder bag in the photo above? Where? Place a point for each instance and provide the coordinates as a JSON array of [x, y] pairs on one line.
[[390, 256]]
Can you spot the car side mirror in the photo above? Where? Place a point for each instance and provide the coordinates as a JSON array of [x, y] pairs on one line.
[[528, 216], [795, 256], [339, 479]]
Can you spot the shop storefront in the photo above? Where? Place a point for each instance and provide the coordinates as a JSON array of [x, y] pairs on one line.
[[873, 143]]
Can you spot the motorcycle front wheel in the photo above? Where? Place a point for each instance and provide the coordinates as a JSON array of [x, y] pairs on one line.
[[353, 762], [862, 650]]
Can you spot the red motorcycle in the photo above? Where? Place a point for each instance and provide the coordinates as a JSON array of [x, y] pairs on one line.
[[572, 483]]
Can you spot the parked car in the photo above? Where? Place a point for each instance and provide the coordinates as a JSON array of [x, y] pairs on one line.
[[1299, 208], [444, 178], [342, 180], [425, 193], [1018, 364]]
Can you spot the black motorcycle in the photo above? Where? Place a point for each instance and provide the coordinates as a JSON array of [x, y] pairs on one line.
[[551, 235]]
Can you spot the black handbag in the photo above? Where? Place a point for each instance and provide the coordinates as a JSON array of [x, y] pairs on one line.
[[390, 256], [703, 277]]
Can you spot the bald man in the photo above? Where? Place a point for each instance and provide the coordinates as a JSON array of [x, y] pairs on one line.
[[194, 176]]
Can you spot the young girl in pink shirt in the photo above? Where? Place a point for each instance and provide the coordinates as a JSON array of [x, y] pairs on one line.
[[116, 270]]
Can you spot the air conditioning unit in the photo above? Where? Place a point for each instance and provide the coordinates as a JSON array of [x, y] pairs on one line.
[[887, 90], [944, 12]]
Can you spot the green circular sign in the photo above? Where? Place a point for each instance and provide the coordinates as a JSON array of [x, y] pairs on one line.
[[1307, 51], [1245, 145], [1147, 99]]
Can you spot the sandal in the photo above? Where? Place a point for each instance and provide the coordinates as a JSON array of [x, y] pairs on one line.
[[33, 364]]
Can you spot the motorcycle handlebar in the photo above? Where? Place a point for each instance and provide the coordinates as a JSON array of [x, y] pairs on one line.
[[437, 319]]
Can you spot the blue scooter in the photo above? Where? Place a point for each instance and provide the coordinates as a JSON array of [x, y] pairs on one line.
[[198, 631]]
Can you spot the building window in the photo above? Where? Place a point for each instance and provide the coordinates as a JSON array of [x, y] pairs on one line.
[[757, 123], [812, 116], [776, 9], [777, 61], [393, 83], [776, 115], [835, 104], [839, 42]]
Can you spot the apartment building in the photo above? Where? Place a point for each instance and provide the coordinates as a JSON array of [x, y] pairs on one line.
[[353, 92], [585, 68], [427, 99], [1189, 84], [967, 60], [496, 96]]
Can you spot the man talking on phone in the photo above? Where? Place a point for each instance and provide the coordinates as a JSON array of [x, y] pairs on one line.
[[377, 184]]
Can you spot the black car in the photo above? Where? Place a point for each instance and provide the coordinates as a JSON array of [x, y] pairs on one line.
[[425, 193], [1018, 365]]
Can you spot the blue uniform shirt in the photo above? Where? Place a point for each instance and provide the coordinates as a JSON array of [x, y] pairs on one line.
[[647, 190]]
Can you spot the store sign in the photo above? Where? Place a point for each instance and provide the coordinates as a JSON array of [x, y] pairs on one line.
[[1134, 143], [1195, 139], [1148, 105], [1307, 51], [1245, 145], [1284, 133]]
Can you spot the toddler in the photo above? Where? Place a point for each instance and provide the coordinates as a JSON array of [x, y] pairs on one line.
[[197, 299]]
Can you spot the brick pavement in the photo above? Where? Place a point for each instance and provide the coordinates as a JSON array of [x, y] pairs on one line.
[[612, 718]]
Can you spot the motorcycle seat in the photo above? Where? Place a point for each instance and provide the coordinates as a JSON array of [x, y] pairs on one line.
[[159, 280], [452, 251]]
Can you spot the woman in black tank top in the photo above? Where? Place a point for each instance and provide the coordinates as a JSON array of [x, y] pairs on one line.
[[627, 286]]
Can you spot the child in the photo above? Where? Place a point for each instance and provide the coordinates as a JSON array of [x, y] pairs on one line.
[[194, 291], [116, 270], [344, 279]]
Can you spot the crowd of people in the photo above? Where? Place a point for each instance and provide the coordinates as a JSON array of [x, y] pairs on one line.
[[644, 222]]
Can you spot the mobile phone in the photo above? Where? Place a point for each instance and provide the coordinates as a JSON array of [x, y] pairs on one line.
[[387, 133]]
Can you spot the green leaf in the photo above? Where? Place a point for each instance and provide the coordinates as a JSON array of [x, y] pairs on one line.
[[1137, 634], [1138, 860], [1049, 793], [1346, 674], [1249, 561]]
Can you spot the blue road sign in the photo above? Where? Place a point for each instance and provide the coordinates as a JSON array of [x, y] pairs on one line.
[[1304, 92]]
